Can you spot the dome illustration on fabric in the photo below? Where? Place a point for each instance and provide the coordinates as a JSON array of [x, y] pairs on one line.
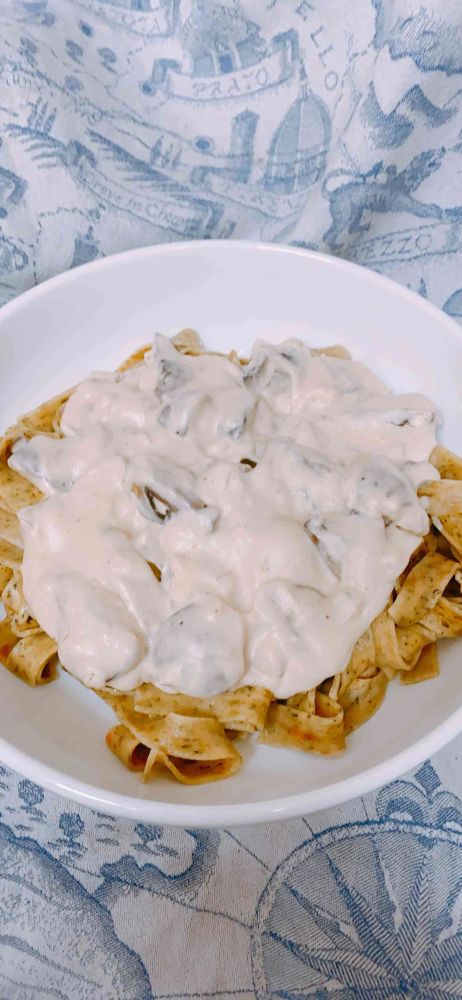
[[221, 39], [298, 149]]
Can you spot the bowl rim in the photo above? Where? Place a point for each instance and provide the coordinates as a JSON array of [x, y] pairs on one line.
[[267, 810], [233, 814]]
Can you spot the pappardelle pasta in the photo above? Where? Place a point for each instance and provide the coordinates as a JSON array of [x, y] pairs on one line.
[[183, 705]]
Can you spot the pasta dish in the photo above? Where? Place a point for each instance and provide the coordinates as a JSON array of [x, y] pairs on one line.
[[221, 547]]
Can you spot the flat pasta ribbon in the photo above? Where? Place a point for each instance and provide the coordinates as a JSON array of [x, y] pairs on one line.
[[194, 749], [422, 588], [242, 710], [322, 729], [362, 699], [127, 748], [427, 666], [448, 464], [33, 658]]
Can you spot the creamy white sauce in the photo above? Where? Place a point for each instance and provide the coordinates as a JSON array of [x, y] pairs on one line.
[[272, 568]]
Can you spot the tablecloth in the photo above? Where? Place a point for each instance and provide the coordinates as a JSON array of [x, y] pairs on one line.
[[320, 123]]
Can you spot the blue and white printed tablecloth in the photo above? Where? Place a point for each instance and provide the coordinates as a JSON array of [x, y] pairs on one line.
[[319, 123]]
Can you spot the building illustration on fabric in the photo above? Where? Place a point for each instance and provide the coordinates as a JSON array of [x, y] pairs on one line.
[[190, 188], [295, 161], [224, 56]]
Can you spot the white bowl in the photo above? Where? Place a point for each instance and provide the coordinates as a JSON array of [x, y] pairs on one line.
[[231, 293]]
